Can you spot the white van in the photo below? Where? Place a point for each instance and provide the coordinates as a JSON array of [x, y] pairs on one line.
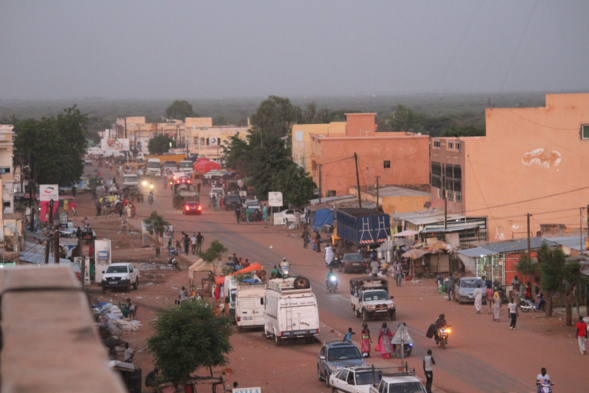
[[186, 167], [249, 305], [291, 310], [230, 289]]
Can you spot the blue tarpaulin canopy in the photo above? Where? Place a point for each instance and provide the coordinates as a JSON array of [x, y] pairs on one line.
[[322, 217]]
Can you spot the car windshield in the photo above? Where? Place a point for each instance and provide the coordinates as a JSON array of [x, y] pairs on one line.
[[365, 378], [116, 269], [344, 353], [153, 164], [353, 257], [130, 178], [471, 283], [380, 295], [186, 165], [406, 387]]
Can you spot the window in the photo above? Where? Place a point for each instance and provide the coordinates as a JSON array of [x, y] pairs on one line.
[[585, 131], [453, 178], [450, 145], [436, 180], [457, 145], [387, 164], [458, 197], [330, 193], [436, 143]]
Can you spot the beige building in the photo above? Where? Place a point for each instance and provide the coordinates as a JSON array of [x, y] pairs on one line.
[[206, 141], [301, 140]]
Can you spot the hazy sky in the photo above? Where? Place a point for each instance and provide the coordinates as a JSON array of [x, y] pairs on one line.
[[214, 48]]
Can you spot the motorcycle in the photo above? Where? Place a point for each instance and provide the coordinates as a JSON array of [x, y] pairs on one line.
[[502, 295], [150, 199], [285, 270], [526, 305], [335, 262], [546, 387], [442, 336], [332, 284]]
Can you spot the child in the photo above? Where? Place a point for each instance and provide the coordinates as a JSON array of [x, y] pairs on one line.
[[348, 336]]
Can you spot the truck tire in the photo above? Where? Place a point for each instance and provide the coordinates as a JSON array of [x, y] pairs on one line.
[[327, 384], [302, 283], [364, 315], [319, 374], [277, 340], [136, 285]]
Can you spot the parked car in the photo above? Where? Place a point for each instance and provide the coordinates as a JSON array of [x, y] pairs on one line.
[[465, 289], [192, 207], [355, 379], [353, 262], [289, 214], [334, 356], [120, 275], [255, 213]]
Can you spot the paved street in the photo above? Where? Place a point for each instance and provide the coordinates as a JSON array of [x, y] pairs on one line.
[[482, 355]]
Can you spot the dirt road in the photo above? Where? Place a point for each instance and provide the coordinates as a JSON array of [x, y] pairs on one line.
[[482, 356]]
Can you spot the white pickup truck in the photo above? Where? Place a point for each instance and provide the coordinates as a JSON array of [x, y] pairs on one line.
[[120, 275], [399, 381], [370, 298]]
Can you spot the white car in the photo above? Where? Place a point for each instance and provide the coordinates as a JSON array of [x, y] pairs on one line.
[[289, 214], [355, 379]]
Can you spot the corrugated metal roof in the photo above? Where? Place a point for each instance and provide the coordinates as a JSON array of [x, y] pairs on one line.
[[504, 247], [573, 242], [39, 259], [424, 217], [455, 228]]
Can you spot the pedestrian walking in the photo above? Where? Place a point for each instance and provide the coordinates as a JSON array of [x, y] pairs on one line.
[[265, 213], [478, 298], [513, 313], [200, 239], [489, 296], [398, 272], [317, 242], [366, 340], [374, 266], [305, 237], [186, 240], [247, 214], [98, 209], [582, 334], [237, 214], [384, 341], [132, 308], [428, 369], [496, 306], [128, 354], [348, 336], [450, 289], [193, 244]]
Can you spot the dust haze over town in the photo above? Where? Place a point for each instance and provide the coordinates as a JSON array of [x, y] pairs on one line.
[[192, 50]]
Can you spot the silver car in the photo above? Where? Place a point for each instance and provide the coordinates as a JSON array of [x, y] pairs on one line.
[[465, 289], [336, 355]]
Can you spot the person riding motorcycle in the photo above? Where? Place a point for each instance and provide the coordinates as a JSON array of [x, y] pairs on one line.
[[284, 267], [440, 323], [329, 275]]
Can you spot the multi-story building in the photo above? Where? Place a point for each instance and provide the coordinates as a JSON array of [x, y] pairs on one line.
[[532, 161], [301, 140], [205, 140], [6, 167], [389, 158]]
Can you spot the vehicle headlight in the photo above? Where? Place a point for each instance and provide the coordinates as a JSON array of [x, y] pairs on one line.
[[334, 368]]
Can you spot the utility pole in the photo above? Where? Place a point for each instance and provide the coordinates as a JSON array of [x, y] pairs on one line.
[[125, 127], [56, 244], [358, 181], [49, 232], [529, 240], [586, 248], [581, 227], [377, 177], [320, 190], [445, 197]]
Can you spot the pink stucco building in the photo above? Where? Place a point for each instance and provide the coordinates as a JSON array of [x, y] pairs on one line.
[[397, 158], [533, 160]]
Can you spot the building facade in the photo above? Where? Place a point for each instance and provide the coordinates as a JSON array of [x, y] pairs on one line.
[[396, 158], [301, 140], [532, 161]]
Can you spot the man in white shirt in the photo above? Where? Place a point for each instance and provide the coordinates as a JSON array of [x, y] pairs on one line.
[[328, 255], [428, 369], [542, 378]]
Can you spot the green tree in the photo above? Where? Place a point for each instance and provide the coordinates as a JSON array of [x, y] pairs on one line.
[[156, 224], [56, 144], [236, 155], [406, 119], [296, 185], [468, 130], [213, 254], [160, 144], [187, 338], [180, 110], [561, 277], [275, 115]]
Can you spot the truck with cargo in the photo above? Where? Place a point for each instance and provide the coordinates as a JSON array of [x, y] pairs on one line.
[[168, 157], [370, 298], [153, 167], [182, 193], [362, 227], [130, 182], [249, 304], [291, 310], [186, 166]]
